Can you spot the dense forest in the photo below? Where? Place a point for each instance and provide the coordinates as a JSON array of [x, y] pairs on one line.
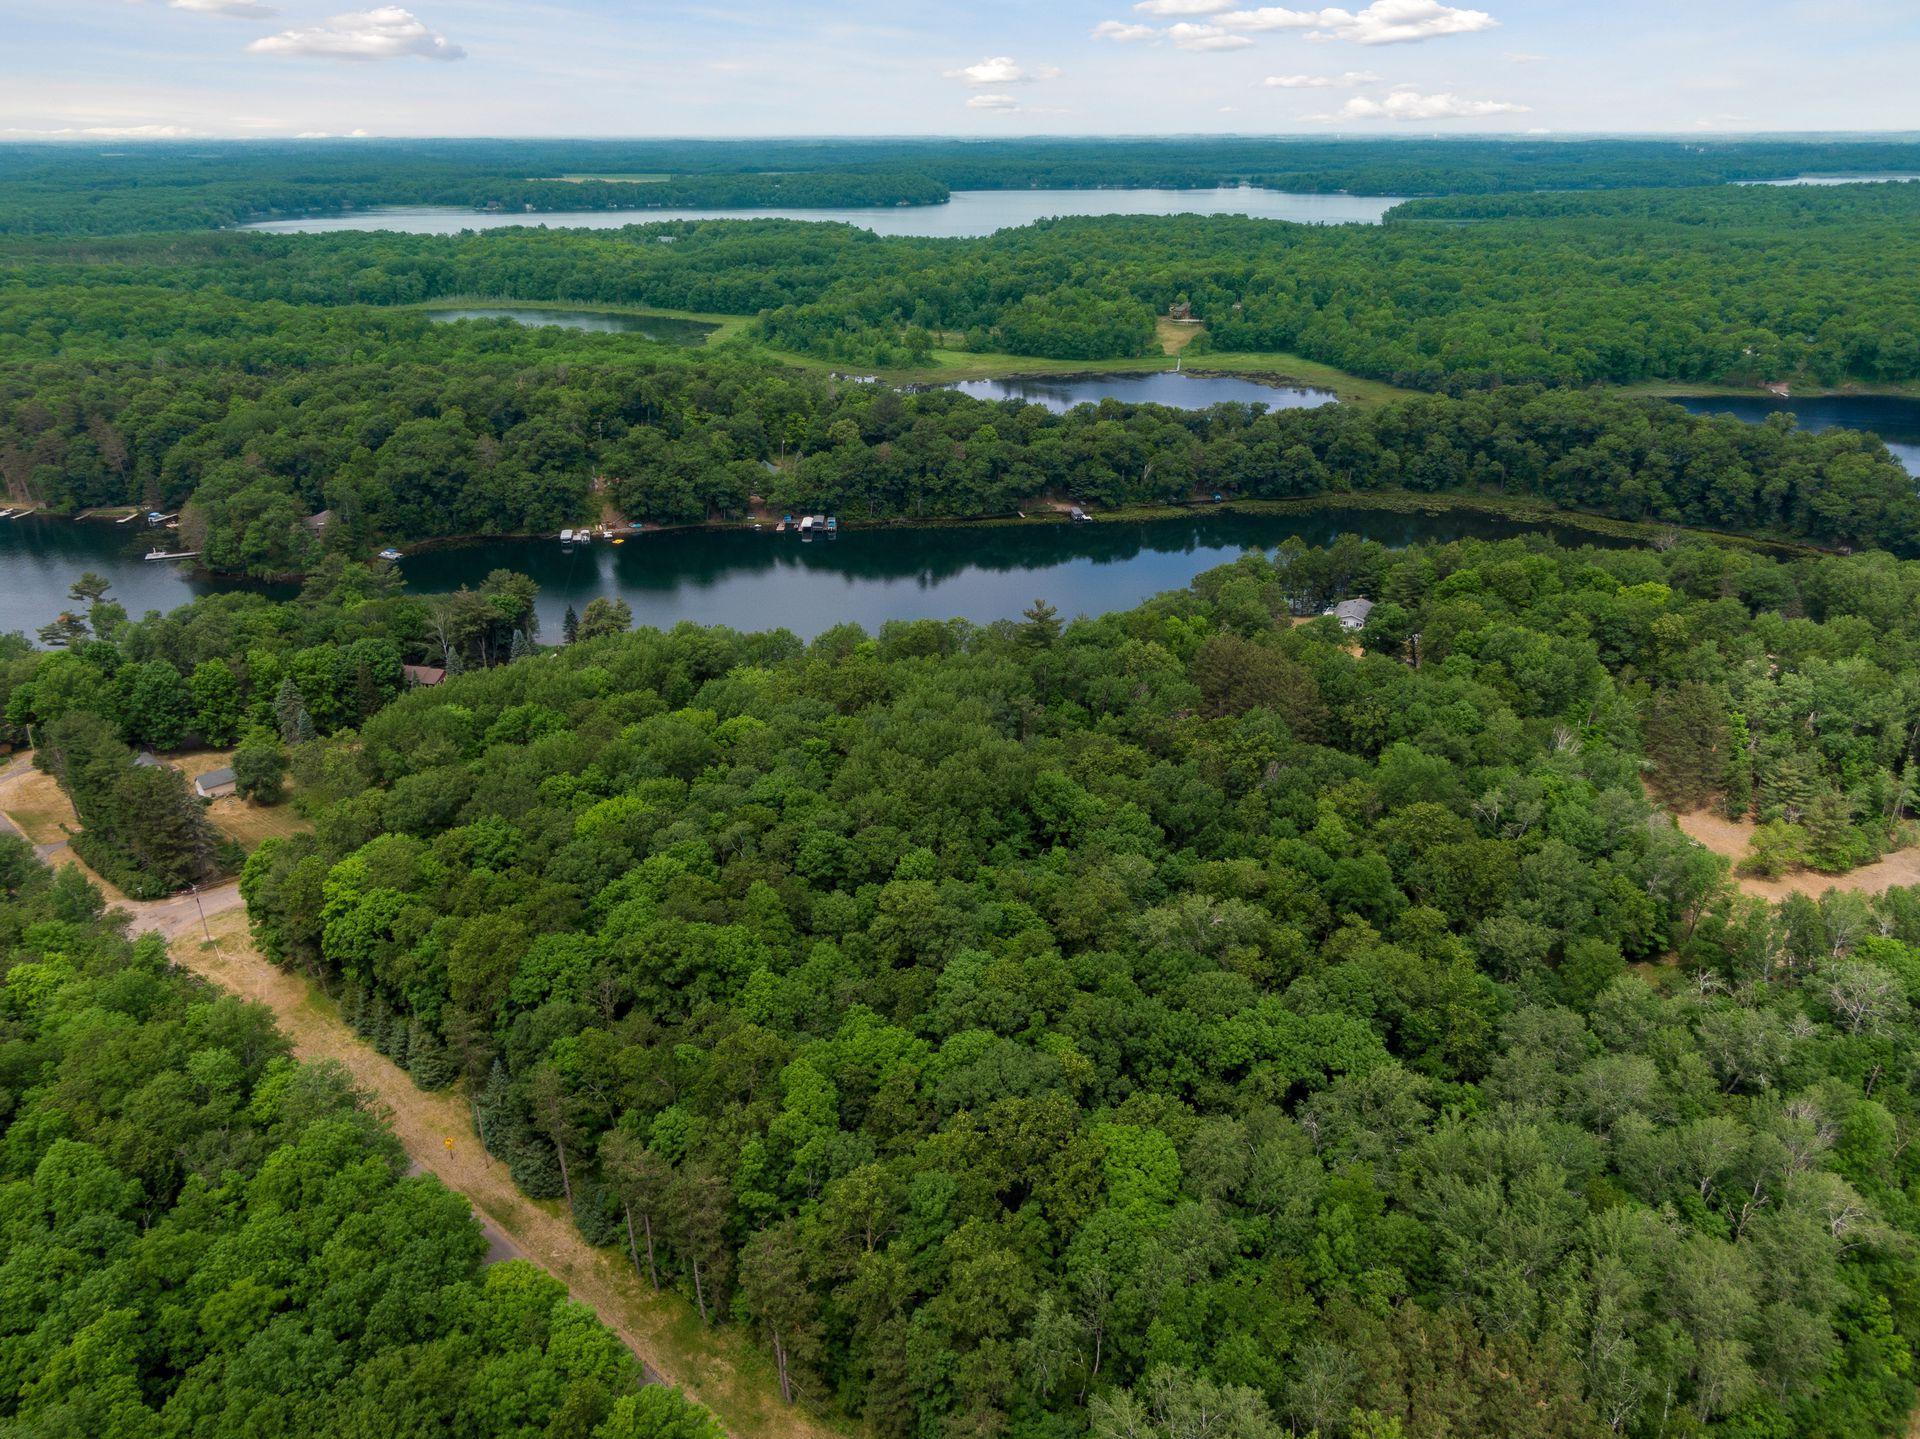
[[1034, 1028], [1733, 284], [1199, 1022], [200, 1236], [255, 415], [81, 189]]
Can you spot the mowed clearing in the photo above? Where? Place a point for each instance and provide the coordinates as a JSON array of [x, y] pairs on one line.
[[717, 1368], [41, 811], [1732, 838]]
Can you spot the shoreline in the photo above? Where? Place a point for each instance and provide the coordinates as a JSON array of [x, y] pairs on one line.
[[1519, 508]]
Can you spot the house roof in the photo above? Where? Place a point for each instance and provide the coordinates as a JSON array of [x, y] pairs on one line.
[[422, 674], [1352, 610], [214, 778], [320, 521], [146, 759]]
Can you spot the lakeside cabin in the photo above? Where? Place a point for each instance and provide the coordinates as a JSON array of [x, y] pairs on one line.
[[421, 676], [1352, 614], [215, 783]]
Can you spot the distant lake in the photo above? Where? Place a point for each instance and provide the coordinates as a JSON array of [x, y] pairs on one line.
[[760, 580], [1894, 418], [1173, 388], [1832, 180], [969, 212], [666, 330]]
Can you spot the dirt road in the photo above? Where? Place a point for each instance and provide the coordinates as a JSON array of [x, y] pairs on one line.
[[718, 1369], [1731, 838]]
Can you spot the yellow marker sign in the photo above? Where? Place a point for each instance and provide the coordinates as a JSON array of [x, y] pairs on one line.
[[449, 1143]]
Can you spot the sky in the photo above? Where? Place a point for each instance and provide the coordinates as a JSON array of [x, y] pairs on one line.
[[127, 69]]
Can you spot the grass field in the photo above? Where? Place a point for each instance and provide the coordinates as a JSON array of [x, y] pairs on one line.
[[44, 814], [38, 806], [1174, 336], [1676, 389], [950, 365]]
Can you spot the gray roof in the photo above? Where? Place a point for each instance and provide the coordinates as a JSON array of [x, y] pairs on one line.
[[214, 778], [145, 759], [1352, 610]]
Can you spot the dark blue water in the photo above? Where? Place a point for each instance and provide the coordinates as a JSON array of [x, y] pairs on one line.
[[760, 580], [1165, 387], [1894, 418]]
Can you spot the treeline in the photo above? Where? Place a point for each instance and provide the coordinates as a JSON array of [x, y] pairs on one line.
[[1040, 1029], [227, 670], [1734, 285], [80, 189], [233, 662], [254, 416], [203, 1236]]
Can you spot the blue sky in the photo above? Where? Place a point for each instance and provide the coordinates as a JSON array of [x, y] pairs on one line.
[[107, 69]]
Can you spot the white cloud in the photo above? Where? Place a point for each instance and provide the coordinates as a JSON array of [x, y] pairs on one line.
[[1183, 7], [1522, 57], [239, 9], [388, 33], [1275, 17], [1002, 70], [329, 135], [1392, 22], [1121, 31], [1205, 37], [111, 132], [993, 102], [1412, 105], [1321, 82], [1384, 22]]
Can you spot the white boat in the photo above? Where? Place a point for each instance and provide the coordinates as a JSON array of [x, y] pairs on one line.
[[566, 537], [390, 553]]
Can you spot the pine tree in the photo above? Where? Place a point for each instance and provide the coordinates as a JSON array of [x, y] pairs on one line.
[[570, 625], [290, 709]]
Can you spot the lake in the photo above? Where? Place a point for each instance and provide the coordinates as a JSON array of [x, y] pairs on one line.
[[1894, 418], [760, 580], [666, 330], [1833, 180], [1174, 388], [969, 212]]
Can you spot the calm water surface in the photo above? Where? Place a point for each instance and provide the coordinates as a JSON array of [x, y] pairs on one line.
[[652, 327], [1833, 180], [1894, 418], [969, 212], [757, 581], [1173, 388]]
